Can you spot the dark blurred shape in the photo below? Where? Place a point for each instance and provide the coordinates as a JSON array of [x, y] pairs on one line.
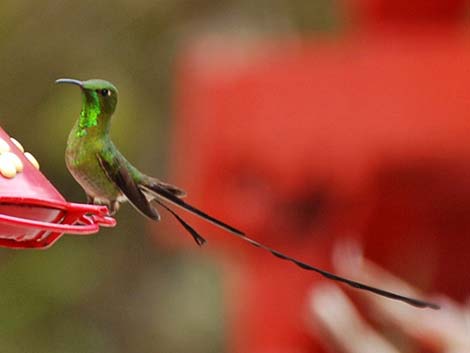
[[398, 13], [367, 134]]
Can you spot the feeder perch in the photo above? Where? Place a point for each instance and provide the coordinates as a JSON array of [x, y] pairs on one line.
[[33, 214]]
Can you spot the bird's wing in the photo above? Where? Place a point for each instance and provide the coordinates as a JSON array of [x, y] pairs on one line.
[[119, 174]]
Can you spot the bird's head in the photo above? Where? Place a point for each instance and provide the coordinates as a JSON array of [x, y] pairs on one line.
[[99, 96]]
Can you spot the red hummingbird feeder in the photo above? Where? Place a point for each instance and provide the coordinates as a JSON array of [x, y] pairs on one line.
[[33, 214]]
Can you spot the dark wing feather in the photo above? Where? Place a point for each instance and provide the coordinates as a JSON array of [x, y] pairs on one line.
[[120, 176]]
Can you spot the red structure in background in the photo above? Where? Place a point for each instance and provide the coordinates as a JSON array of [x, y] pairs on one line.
[[302, 145], [33, 214]]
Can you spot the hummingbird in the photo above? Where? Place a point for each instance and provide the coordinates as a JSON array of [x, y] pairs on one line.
[[108, 178]]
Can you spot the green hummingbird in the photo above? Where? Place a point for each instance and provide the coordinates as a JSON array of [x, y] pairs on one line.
[[108, 178]]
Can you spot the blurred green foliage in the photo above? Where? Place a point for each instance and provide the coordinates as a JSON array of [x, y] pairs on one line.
[[118, 291]]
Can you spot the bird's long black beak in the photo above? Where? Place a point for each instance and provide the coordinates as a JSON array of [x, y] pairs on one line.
[[70, 81]]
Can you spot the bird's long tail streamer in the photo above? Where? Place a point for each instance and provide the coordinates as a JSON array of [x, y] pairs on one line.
[[196, 236], [164, 195]]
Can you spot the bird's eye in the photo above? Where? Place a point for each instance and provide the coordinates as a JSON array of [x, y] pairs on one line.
[[105, 92]]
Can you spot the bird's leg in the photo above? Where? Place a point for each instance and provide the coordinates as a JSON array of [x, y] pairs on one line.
[[90, 199], [113, 207]]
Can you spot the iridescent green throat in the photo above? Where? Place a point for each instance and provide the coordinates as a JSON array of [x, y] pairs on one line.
[[91, 110]]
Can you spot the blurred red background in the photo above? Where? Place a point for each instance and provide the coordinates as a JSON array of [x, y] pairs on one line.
[[301, 144]]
